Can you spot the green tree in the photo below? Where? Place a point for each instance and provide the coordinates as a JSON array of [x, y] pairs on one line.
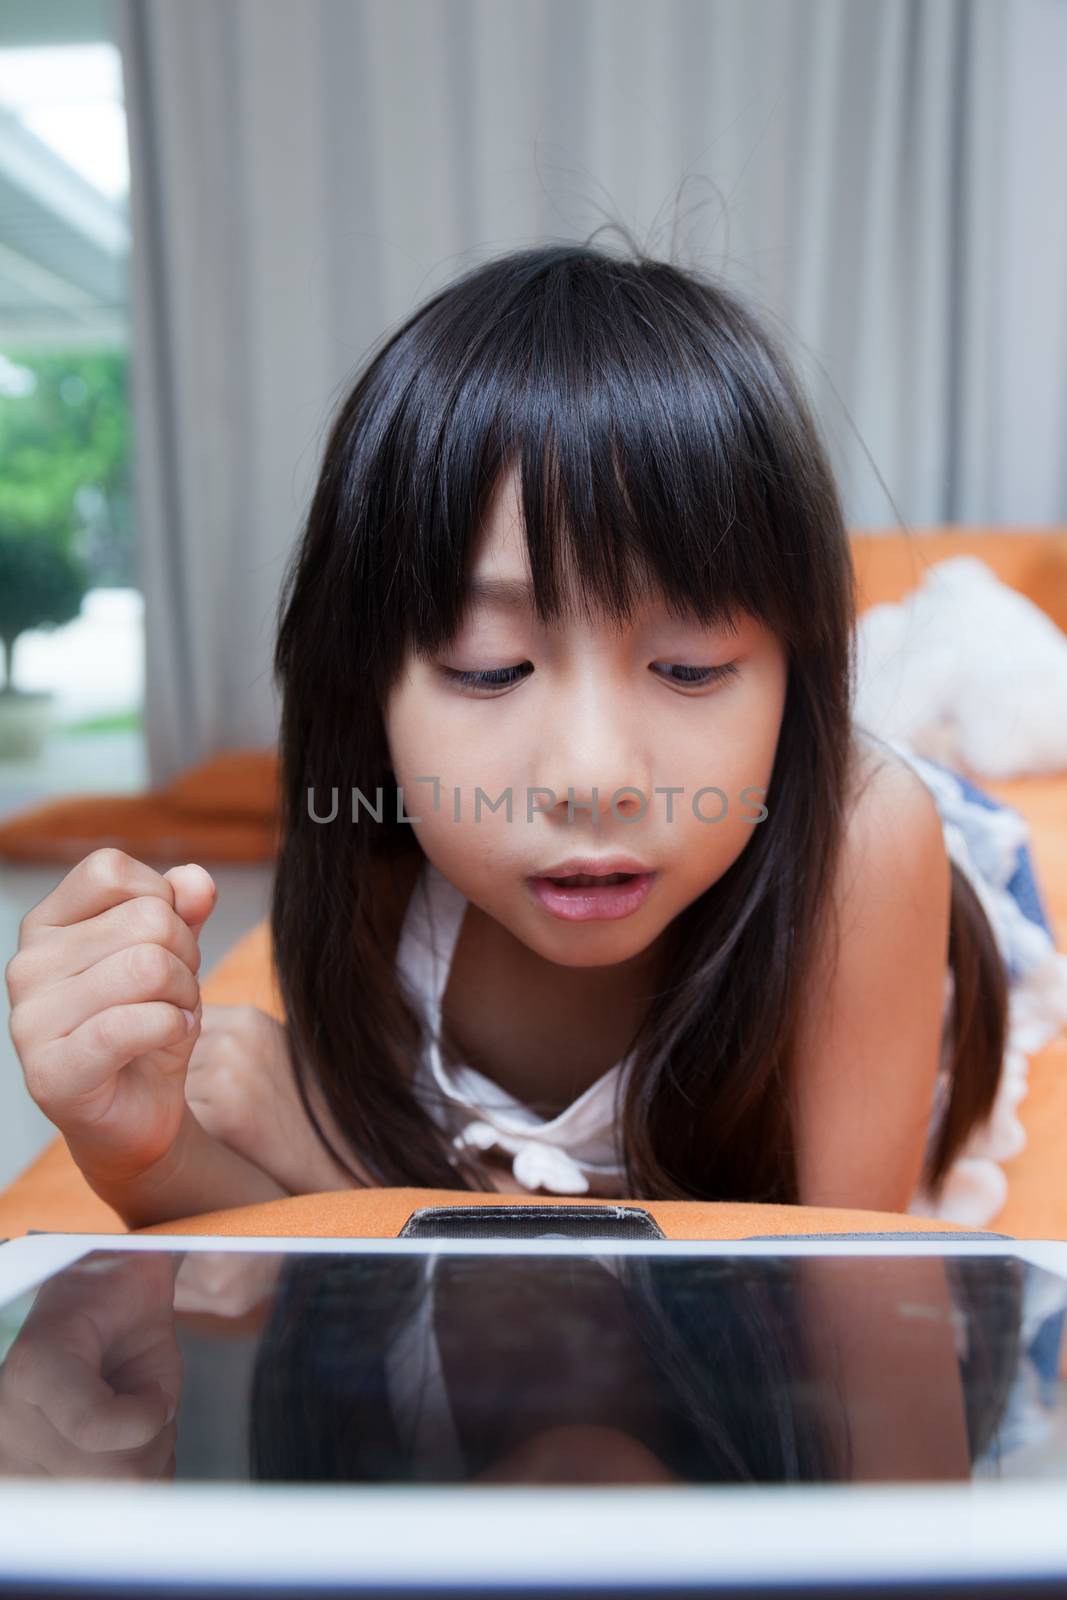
[[42, 579], [69, 436]]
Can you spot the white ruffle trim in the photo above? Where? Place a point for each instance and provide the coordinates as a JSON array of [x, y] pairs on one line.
[[985, 844], [535, 1163]]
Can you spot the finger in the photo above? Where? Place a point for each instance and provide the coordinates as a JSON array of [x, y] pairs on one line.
[[32, 1445], [68, 1070], [146, 1354], [108, 1421], [147, 919], [137, 972], [102, 879], [145, 1463], [154, 1461], [157, 1394], [195, 893]]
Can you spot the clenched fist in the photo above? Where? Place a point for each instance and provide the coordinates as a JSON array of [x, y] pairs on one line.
[[105, 1007]]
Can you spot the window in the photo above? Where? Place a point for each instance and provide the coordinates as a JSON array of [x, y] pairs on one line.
[[71, 615]]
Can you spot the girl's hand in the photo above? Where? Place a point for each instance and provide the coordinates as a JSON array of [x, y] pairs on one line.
[[105, 1008], [241, 1089], [91, 1384]]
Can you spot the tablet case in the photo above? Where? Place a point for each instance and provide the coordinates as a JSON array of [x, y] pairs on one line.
[[584, 1222], [531, 1222]]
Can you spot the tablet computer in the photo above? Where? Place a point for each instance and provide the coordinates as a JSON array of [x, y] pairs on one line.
[[520, 1416]]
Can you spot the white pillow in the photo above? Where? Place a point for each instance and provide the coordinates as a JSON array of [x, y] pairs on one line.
[[966, 671]]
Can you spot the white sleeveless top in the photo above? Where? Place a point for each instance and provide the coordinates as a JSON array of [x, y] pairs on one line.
[[573, 1153], [577, 1152]]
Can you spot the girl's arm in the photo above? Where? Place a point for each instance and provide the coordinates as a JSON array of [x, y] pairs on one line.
[[870, 1041], [242, 1089], [198, 1173]]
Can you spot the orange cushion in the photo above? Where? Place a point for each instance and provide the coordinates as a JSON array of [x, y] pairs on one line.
[[52, 1195], [62, 832], [381, 1213], [224, 809], [234, 783]]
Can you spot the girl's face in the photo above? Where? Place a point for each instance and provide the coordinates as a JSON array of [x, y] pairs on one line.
[[612, 715]]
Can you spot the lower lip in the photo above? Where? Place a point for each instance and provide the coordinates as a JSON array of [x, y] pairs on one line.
[[587, 903]]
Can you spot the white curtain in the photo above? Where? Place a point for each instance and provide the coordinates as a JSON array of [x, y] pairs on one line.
[[885, 179]]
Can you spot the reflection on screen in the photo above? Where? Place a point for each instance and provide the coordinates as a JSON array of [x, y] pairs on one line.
[[535, 1369]]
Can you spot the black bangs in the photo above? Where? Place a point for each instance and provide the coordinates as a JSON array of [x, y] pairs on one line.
[[659, 451]]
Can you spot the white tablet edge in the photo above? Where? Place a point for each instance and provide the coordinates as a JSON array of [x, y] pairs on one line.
[[271, 1535], [26, 1261]]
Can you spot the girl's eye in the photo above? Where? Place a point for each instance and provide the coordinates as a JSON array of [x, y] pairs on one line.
[[505, 677], [702, 676], [495, 678]]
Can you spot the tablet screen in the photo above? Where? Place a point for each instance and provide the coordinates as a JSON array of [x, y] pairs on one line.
[[529, 1368]]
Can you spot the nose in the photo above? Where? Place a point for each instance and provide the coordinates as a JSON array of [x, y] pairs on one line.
[[595, 758]]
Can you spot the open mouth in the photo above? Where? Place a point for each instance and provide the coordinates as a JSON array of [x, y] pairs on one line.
[[586, 896], [579, 880]]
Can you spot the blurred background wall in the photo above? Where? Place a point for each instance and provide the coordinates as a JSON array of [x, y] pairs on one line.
[[884, 177], [213, 211]]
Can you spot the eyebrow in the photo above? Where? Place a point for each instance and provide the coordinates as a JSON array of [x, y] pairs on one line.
[[515, 594], [512, 594]]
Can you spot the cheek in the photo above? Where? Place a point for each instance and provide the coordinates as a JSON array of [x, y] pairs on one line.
[[429, 757], [733, 753], [432, 737], [432, 733], [415, 735], [730, 742], [754, 720]]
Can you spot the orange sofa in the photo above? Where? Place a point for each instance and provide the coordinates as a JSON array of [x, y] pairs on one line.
[[52, 1195]]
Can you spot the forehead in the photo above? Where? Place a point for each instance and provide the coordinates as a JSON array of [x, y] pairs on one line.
[[499, 582], [500, 544], [499, 579]]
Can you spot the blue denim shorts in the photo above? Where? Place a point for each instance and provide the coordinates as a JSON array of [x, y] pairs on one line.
[[1022, 886]]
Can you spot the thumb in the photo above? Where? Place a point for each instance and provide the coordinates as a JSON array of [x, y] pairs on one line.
[[194, 894]]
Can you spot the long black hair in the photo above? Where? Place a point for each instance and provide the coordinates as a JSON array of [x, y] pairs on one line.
[[658, 433]]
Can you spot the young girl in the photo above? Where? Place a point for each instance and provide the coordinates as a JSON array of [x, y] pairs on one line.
[[574, 597]]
